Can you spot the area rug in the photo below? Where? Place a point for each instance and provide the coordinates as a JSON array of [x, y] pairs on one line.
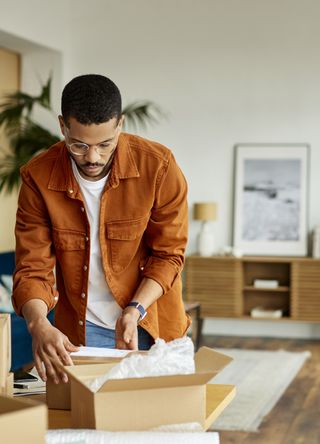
[[261, 377]]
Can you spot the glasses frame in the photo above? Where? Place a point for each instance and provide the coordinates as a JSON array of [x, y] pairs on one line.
[[100, 151]]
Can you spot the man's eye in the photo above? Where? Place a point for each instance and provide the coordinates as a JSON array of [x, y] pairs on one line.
[[104, 145], [80, 146]]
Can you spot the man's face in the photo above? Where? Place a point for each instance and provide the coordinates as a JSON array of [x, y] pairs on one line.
[[101, 139]]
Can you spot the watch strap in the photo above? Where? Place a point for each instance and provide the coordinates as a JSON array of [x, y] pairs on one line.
[[140, 308]]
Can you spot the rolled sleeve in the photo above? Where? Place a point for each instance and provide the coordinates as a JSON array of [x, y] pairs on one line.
[[167, 230], [33, 277]]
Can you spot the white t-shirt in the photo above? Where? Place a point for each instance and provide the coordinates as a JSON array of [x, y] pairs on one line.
[[102, 308]]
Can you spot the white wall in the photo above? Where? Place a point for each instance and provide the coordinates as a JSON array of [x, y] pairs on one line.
[[40, 21], [225, 71], [38, 30]]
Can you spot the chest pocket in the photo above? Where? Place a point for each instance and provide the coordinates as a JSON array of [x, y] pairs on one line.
[[68, 240], [124, 239], [70, 252]]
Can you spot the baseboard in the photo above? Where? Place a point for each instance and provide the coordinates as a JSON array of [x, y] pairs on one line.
[[261, 328]]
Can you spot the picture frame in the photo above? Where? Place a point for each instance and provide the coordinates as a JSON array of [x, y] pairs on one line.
[[271, 199]]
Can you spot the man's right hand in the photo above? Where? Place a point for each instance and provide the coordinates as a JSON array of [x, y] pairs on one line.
[[50, 346], [51, 350]]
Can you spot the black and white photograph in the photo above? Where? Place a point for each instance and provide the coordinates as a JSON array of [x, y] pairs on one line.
[[270, 199]]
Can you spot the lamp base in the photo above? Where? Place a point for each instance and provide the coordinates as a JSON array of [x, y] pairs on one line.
[[206, 243]]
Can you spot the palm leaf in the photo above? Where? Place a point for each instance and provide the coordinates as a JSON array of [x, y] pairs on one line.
[[10, 165], [27, 141], [31, 138], [139, 114], [19, 105]]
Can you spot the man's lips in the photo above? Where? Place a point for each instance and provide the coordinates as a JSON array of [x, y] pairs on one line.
[[92, 167]]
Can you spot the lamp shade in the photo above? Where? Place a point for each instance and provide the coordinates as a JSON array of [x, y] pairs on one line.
[[205, 211]]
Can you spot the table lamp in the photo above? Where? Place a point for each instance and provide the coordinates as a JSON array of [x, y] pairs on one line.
[[206, 212]]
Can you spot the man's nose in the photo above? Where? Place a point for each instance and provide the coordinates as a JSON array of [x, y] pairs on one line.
[[92, 156]]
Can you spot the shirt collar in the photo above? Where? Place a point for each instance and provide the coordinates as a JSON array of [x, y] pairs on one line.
[[123, 167]]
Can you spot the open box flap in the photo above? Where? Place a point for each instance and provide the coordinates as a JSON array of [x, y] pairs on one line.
[[88, 372], [208, 364], [208, 360], [9, 404], [155, 382]]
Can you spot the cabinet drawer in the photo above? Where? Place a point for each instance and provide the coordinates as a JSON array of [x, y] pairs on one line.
[[216, 284], [305, 290]]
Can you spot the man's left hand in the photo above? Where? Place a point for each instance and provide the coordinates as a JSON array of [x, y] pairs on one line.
[[127, 329]]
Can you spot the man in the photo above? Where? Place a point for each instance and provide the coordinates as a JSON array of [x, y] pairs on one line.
[[100, 234]]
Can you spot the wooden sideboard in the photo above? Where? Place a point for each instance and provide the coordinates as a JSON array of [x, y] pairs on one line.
[[224, 286]]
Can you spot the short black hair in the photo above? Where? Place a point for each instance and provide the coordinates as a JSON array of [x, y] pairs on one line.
[[91, 99]]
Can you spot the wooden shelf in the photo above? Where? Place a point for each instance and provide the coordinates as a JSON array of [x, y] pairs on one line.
[[267, 318], [280, 289], [224, 286]]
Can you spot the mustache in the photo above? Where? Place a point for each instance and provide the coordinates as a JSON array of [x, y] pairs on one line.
[[95, 164]]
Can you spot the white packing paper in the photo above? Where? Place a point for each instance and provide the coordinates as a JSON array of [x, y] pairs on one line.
[[164, 358]]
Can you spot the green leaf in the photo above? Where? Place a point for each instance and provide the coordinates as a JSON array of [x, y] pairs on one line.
[[139, 114], [27, 141], [19, 105]]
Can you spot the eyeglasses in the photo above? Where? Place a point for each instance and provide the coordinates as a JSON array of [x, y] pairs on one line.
[[81, 148]]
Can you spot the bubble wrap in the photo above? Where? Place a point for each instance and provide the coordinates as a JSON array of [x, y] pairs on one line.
[[164, 358]]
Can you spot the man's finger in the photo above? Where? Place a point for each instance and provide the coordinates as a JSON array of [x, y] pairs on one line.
[[130, 337], [70, 347], [130, 332], [65, 357], [39, 367], [50, 371]]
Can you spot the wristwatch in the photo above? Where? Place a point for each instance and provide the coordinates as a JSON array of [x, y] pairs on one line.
[[139, 307]]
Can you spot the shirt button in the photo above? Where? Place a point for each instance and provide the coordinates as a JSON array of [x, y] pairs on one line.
[[141, 268], [87, 238], [83, 295], [56, 298], [70, 191], [85, 268], [82, 209], [80, 322]]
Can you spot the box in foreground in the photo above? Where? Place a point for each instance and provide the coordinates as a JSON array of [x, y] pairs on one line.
[[59, 395], [22, 420], [6, 378], [143, 403]]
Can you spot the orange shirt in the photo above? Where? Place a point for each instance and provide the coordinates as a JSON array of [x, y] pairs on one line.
[[143, 233]]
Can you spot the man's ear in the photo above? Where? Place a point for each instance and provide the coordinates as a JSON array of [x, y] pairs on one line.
[[62, 125], [121, 122]]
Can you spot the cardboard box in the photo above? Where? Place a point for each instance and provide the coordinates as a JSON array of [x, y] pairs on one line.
[[9, 385], [22, 420], [5, 351], [58, 396], [143, 403]]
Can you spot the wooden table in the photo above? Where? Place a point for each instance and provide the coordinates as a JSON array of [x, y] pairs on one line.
[[218, 397]]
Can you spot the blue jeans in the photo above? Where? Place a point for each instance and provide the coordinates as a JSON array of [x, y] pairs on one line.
[[97, 336]]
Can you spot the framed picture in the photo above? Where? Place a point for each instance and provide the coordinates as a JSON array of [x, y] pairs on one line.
[[270, 212]]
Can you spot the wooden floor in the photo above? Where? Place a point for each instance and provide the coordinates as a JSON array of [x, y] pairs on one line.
[[296, 417]]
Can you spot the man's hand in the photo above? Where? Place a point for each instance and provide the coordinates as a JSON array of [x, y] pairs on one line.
[[127, 329], [51, 348]]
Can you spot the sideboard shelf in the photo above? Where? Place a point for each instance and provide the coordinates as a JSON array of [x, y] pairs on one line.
[[224, 286], [268, 290]]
